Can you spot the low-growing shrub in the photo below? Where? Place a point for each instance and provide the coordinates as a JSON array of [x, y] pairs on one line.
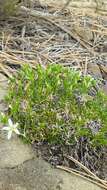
[[57, 105]]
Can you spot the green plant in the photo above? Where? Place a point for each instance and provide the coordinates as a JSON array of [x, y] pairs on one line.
[[55, 104]]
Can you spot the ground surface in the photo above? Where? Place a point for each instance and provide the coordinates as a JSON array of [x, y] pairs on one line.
[[22, 169], [72, 39]]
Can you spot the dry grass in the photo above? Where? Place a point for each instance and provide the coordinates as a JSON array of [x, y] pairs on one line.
[[47, 35]]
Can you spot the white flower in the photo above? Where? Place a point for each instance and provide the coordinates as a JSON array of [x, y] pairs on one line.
[[11, 128]]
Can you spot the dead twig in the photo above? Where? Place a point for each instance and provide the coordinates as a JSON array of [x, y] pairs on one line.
[[49, 18], [36, 13], [79, 175], [85, 169]]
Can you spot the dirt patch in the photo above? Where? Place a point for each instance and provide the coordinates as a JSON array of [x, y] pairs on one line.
[[93, 159]]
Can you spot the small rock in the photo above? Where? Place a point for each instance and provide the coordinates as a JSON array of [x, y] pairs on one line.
[[104, 88], [103, 69], [3, 86], [94, 70], [85, 33]]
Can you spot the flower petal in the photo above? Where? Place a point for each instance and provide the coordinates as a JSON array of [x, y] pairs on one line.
[[9, 135], [15, 125], [6, 128], [10, 123], [17, 131]]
